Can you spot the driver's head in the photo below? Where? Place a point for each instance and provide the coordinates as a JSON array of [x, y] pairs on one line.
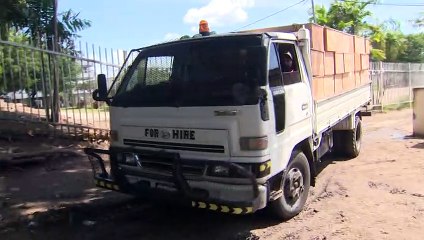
[[288, 60]]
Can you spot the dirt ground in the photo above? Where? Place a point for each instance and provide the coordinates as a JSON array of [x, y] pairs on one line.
[[378, 195]]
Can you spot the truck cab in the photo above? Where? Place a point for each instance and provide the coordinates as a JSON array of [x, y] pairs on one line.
[[222, 122]]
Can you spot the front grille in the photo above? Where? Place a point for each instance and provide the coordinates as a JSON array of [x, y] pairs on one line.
[[167, 167], [176, 146], [163, 164]]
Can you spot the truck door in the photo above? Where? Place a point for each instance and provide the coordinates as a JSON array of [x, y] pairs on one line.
[[292, 99], [296, 86]]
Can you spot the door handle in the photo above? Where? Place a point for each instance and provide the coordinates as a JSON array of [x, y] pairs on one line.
[[226, 113], [304, 106]]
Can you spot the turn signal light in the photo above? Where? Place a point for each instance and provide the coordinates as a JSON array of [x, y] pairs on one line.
[[253, 143]]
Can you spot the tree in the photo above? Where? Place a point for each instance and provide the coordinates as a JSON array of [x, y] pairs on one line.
[[419, 22], [24, 69], [347, 16], [40, 24], [387, 40], [37, 19], [12, 14], [414, 51]]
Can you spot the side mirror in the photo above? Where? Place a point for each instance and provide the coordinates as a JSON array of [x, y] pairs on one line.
[[100, 94]]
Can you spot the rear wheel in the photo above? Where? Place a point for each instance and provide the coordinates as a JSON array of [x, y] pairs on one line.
[[347, 143], [295, 187]]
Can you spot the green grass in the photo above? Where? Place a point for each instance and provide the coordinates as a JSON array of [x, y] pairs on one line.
[[396, 106]]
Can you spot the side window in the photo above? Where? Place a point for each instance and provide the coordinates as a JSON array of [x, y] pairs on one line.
[[274, 71], [289, 63], [276, 86]]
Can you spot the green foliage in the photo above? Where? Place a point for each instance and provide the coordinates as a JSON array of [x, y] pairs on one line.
[[12, 14], [347, 16], [414, 49], [22, 68], [39, 25], [378, 54], [388, 42]]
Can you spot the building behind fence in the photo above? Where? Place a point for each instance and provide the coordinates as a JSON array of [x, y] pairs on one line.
[[27, 79]]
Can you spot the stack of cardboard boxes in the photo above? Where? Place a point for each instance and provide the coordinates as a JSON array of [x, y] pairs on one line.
[[340, 61], [340, 64]]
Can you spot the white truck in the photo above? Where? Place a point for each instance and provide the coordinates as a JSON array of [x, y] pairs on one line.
[[219, 123]]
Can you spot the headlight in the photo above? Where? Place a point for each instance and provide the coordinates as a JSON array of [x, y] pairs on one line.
[[224, 170]]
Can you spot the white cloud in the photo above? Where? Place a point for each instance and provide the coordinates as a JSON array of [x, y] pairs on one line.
[[172, 36], [220, 12]]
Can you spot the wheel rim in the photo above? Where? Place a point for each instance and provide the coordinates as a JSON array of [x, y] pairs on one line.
[[293, 186]]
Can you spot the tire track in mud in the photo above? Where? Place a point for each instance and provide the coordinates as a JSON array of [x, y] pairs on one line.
[[393, 190]]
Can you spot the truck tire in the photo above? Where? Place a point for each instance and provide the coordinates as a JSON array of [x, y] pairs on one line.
[[295, 186], [353, 140], [347, 143]]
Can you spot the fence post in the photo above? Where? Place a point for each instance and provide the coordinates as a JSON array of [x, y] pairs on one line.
[[381, 86], [410, 85]]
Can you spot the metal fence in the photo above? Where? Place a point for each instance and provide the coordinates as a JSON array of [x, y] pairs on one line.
[[28, 75], [393, 83]]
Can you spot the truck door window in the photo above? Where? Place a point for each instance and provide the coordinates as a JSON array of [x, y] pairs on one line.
[[276, 86], [289, 63], [274, 72]]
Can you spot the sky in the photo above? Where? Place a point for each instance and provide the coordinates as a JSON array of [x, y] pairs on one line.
[[129, 24]]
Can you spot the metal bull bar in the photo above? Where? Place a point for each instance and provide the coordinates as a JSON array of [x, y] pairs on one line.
[[199, 199]]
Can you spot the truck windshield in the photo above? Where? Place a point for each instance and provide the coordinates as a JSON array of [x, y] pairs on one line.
[[217, 71]]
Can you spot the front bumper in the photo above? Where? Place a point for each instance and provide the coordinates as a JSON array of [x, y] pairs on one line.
[[222, 197]]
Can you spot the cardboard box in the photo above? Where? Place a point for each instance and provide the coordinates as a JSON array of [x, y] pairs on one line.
[[349, 62], [349, 43], [328, 86], [332, 40], [368, 46], [357, 79], [337, 41], [359, 45], [329, 61], [365, 62], [317, 37], [365, 77], [318, 88], [358, 64], [348, 81], [339, 63], [317, 63], [338, 83]]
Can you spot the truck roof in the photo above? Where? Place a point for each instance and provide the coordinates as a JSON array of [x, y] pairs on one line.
[[279, 35]]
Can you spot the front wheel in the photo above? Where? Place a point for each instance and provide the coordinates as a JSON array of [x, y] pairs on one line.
[[295, 187]]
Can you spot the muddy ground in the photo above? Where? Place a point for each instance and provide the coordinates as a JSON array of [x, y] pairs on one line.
[[378, 195]]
